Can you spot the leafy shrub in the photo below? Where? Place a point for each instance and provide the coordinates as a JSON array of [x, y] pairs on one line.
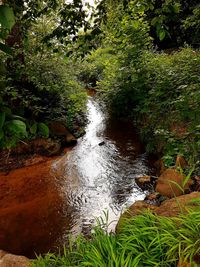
[[161, 93], [92, 68], [171, 102], [44, 89]]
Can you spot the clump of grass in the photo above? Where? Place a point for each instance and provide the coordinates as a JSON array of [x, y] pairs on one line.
[[143, 240]]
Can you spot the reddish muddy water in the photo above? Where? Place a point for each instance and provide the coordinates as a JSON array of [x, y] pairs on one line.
[[44, 203]]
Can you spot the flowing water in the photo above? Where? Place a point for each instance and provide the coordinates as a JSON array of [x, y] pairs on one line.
[[100, 171], [42, 203]]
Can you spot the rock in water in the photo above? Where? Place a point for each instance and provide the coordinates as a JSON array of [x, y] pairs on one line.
[[10, 260], [144, 182], [102, 143]]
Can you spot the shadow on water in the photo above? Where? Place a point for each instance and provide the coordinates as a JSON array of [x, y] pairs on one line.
[[99, 173]]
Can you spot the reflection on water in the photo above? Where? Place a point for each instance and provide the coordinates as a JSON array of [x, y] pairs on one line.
[[41, 205], [98, 178]]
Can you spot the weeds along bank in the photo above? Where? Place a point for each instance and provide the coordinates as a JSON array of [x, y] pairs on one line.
[[159, 92], [143, 240]]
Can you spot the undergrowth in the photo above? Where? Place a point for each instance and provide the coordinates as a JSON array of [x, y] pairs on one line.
[[143, 240]]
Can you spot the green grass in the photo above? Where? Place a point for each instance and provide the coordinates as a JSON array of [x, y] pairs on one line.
[[143, 240]]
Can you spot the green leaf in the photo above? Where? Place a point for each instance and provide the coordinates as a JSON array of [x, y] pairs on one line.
[[7, 18], [176, 8], [16, 127], [16, 117], [162, 34], [135, 24], [5, 48], [2, 119], [33, 129], [43, 130]]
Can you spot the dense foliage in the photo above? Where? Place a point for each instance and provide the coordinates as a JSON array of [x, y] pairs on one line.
[[38, 79], [143, 240], [159, 91], [42, 44]]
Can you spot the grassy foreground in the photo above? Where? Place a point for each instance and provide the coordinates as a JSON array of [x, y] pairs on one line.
[[143, 240]]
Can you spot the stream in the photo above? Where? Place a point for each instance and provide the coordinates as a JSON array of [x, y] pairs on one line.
[[41, 204], [100, 171]]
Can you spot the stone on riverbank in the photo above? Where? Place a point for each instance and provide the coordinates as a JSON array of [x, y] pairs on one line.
[[60, 130], [169, 183], [169, 208], [10, 260], [136, 209], [144, 182]]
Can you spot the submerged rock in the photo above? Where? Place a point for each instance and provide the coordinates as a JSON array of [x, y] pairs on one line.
[[101, 143]]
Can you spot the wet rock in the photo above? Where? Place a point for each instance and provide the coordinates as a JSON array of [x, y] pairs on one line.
[[181, 162], [101, 143], [175, 206], [10, 260], [169, 208], [154, 199], [169, 183], [137, 208], [70, 139], [144, 182], [160, 166], [151, 197], [59, 129], [47, 147]]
